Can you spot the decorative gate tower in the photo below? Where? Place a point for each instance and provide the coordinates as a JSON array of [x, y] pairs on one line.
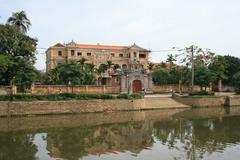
[[137, 78]]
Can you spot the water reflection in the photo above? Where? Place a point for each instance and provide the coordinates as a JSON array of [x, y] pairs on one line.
[[208, 133]]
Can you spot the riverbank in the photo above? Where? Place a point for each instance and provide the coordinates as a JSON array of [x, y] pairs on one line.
[[150, 102], [22, 108], [208, 101]]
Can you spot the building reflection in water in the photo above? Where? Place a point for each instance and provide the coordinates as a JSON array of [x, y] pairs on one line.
[[187, 134]]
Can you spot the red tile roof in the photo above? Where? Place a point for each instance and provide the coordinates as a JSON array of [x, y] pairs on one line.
[[98, 46], [107, 47]]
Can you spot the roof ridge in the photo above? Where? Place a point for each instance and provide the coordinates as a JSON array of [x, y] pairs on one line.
[[102, 45]]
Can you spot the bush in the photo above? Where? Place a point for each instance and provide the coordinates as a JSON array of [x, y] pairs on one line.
[[54, 97], [202, 93], [131, 96], [136, 96], [123, 96], [66, 96]]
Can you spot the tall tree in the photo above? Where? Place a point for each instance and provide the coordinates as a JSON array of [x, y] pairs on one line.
[[236, 81], [232, 67], [20, 21], [16, 48], [25, 75], [218, 67]]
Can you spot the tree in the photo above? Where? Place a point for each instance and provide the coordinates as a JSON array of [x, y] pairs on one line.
[[15, 49], [204, 77], [103, 67], [218, 67], [4, 63], [171, 61], [232, 67], [99, 72], [72, 73], [150, 66], [109, 65], [82, 61], [181, 73], [20, 21], [236, 81], [160, 76], [195, 56], [25, 76]]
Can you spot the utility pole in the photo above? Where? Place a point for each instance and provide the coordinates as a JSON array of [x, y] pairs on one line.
[[190, 51]]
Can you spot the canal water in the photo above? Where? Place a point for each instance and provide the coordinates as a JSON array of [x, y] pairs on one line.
[[208, 133]]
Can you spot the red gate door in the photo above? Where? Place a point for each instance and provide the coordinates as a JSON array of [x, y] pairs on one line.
[[137, 86]]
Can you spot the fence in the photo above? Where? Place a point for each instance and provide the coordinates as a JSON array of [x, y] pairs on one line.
[[55, 89], [174, 88], [4, 90]]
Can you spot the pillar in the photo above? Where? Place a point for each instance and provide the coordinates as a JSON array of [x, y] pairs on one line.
[[32, 88], [219, 85], [86, 88], [103, 89], [14, 90]]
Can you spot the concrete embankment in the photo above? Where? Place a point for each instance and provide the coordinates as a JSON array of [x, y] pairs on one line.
[[234, 100], [19, 108], [213, 101]]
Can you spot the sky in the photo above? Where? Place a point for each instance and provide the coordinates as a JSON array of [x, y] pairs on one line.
[[152, 24]]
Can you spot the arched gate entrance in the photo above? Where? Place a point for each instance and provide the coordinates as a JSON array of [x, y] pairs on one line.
[[137, 86]]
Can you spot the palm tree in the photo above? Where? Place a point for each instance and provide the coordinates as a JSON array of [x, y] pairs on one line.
[[20, 21], [99, 72], [150, 66], [109, 65], [171, 61], [90, 67], [82, 61]]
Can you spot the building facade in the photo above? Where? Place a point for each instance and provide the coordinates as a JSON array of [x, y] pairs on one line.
[[130, 63]]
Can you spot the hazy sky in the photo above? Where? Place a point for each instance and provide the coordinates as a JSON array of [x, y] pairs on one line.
[[152, 24]]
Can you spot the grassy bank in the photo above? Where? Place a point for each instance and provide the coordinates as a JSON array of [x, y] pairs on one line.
[[67, 96]]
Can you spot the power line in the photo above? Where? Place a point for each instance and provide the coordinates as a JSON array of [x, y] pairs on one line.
[[169, 50], [41, 48]]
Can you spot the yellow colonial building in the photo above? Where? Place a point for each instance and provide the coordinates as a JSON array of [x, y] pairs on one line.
[[130, 63]]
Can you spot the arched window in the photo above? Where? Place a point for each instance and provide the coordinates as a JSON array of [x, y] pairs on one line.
[[117, 66], [135, 54]]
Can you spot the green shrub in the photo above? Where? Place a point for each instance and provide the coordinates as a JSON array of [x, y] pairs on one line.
[[136, 96], [131, 96], [123, 96], [66, 96], [106, 96], [202, 93]]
